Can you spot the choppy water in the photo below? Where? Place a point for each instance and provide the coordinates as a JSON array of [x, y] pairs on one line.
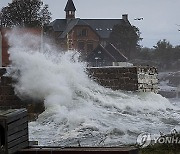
[[79, 111]]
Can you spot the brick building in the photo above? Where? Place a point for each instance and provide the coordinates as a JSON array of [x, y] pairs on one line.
[[73, 33], [83, 35]]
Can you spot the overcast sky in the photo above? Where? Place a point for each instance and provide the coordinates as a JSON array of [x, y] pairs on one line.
[[160, 16]]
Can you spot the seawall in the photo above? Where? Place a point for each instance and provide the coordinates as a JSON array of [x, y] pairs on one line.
[[10, 100], [139, 79]]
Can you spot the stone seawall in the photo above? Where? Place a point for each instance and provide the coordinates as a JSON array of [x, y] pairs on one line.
[[141, 79], [7, 94], [117, 78], [9, 100]]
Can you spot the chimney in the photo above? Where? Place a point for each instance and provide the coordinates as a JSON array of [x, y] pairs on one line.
[[125, 17]]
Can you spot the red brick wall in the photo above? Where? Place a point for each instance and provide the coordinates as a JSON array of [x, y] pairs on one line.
[[5, 46], [5, 55], [9, 100], [91, 37]]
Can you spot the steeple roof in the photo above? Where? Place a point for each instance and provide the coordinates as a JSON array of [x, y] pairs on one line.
[[70, 6]]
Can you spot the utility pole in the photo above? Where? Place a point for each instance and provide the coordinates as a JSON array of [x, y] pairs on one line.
[[0, 48], [42, 41]]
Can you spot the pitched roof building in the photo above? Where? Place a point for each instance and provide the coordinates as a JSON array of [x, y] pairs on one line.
[[82, 34], [105, 56]]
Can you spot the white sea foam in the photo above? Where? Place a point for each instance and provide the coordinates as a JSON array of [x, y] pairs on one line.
[[77, 109]]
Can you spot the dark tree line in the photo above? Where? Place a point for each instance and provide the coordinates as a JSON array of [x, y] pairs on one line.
[[25, 13], [163, 55], [126, 38]]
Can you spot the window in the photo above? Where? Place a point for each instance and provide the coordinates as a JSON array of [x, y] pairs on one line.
[[103, 43], [89, 47], [82, 32], [71, 12], [81, 45], [98, 29]]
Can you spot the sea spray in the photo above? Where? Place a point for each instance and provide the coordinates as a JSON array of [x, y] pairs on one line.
[[79, 111]]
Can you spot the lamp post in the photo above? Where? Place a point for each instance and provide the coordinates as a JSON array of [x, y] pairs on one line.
[[42, 35], [96, 58], [178, 90]]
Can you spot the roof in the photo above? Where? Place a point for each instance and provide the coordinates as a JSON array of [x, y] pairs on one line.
[[69, 27], [113, 53], [103, 27], [95, 53], [70, 6], [116, 53], [59, 25]]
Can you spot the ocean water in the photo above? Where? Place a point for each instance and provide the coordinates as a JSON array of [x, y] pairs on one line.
[[78, 110]]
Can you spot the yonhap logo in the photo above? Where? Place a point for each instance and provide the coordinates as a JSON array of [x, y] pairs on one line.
[[146, 139], [168, 140]]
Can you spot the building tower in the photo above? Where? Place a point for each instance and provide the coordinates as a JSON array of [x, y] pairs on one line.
[[70, 10]]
